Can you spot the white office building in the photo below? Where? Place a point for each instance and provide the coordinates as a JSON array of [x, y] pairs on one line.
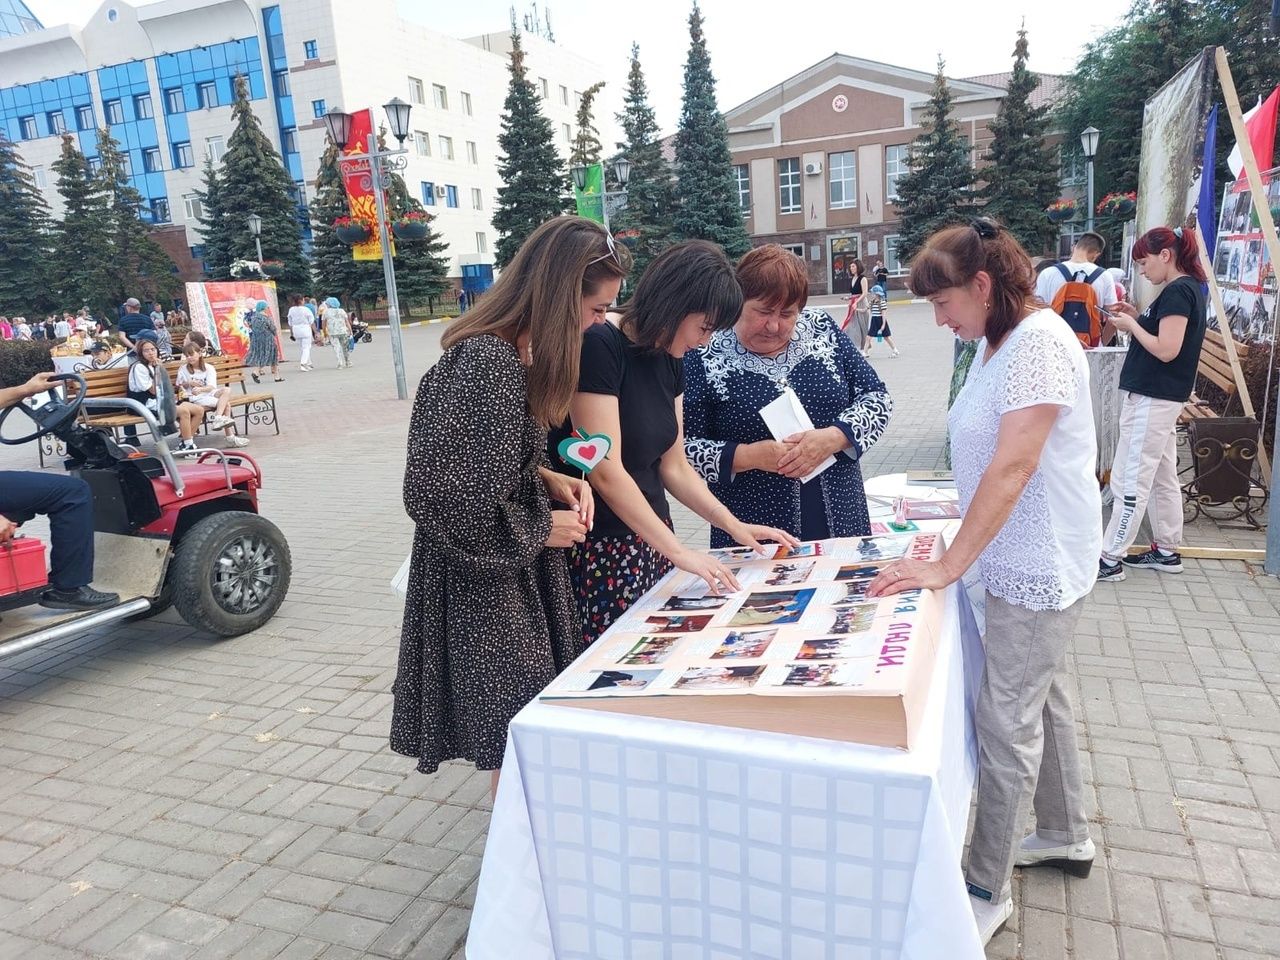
[[161, 75]]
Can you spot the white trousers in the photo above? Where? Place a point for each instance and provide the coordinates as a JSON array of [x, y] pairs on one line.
[[304, 337], [1144, 475]]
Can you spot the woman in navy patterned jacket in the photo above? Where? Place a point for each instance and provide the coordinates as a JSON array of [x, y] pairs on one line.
[[777, 344]]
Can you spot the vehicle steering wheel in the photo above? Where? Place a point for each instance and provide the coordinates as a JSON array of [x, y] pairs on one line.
[[50, 416]]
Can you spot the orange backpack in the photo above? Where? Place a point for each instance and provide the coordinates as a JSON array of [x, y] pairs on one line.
[[1077, 303]]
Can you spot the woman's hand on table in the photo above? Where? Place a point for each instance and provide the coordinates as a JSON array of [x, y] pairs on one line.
[[754, 535], [903, 575], [719, 577], [806, 450], [573, 492], [567, 529]]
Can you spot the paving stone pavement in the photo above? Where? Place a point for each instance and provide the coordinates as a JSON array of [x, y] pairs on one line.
[[166, 795]]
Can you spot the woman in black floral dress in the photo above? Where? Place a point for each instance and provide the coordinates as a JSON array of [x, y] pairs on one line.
[[489, 616]]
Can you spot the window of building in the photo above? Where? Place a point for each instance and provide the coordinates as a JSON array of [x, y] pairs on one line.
[[318, 109], [742, 177], [796, 248], [112, 110], [466, 102], [842, 179], [193, 209], [1071, 166], [142, 107], [182, 156], [428, 194], [84, 118], [160, 210], [281, 83], [151, 160], [546, 89], [289, 139], [439, 96], [477, 199], [57, 123], [126, 165], [421, 143], [564, 95], [789, 185], [174, 101], [450, 195], [27, 128], [473, 153], [896, 163], [568, 134], [309, 50], [42, 179], [446, 147], [482, 242], [207, 94], [197, 251], [892, 262], [417, 93], [215, 147]]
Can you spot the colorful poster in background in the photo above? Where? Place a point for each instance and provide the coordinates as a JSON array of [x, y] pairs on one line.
[[590, 199], [359, 184], [1242, 264], [220, 312]]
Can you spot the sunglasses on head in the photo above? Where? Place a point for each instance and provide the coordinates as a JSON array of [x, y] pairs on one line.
[[612, 252]]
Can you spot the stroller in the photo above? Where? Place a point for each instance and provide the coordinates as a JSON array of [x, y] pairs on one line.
[[359, 333]]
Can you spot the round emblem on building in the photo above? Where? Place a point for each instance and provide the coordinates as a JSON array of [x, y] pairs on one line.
[[839, 103]]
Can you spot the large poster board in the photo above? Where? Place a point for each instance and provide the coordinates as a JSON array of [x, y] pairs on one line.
[[220, 310], [1242, 264], [800, 649]]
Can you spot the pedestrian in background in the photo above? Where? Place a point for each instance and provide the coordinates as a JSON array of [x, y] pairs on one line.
[[264, 348], [337, 328], [879, 326], [301, 330]]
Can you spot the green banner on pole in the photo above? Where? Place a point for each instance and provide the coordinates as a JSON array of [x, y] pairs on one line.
[[590, 198]]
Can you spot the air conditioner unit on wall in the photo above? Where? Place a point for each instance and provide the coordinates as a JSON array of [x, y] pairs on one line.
[[813, 169], [441, 192]]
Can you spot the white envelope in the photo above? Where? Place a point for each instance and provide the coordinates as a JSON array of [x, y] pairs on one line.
[[786, 416]]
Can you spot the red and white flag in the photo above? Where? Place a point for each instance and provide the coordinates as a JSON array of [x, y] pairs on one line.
[[1260, 123]]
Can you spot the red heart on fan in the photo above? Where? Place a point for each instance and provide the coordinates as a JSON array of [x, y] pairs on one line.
[[588, 451]]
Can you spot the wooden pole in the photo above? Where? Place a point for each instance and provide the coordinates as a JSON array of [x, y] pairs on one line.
[[1228, 340]]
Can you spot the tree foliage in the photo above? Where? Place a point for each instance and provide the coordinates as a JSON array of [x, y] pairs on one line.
[[217, 253], [81, 266], [586, 145], [534, 184], [708, 207], [936, 190], [650, 190], [1022, 174], [24, 238]]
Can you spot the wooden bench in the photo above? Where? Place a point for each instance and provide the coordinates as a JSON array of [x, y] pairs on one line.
[[1215, 366]]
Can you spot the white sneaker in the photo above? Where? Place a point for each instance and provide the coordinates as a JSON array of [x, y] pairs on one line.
[[217, 423], [990, 916], [235, 440], [1074, 858], [894, 353]]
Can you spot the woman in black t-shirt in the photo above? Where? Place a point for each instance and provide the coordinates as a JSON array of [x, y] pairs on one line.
[[1156, 381], [630, 388]]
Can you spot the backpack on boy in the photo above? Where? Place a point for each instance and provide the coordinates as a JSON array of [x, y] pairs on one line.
[[1077, 303]]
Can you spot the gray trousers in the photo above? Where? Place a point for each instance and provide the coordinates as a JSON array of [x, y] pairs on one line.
[[1026, 742]]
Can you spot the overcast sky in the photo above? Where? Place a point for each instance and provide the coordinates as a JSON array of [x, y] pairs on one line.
[[756, 46]]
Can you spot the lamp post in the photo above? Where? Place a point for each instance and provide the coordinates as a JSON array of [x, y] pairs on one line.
[[621, 172], [255, 229], [376, 175], [1089, 144]]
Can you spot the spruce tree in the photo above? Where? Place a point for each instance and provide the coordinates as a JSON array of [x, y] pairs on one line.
[[422, 266], [1022, 176], [587, 147], [141, 268], [533, 174], [650, 190], [217, 255], [81, 266], [24, 238], [936, 191], [708, 207], [252, 179]]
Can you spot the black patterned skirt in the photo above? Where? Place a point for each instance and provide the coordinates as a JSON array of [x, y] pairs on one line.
[[609, 574]]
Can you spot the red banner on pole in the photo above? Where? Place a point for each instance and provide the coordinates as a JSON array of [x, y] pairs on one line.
[[358, 180]]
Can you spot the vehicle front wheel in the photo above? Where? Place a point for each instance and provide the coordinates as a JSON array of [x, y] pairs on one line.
[[230, 573]]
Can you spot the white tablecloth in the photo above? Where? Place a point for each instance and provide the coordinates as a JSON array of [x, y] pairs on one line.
[[628, 837], [1104, 391]]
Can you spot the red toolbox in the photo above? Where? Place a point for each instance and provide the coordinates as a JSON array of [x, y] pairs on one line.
[[22, 566]]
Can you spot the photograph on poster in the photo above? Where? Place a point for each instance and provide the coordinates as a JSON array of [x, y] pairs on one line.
[[744, 645], [837, 648], [802, 550], [674, 623], [786, 574], [718, 678], [855, 619], [883, 548], [1234, 264], [1221, 257], [1252, 263], [861, 571], [622, 680], [776, 607], [649, 650], [855, 591], [709, 602], [826, 674]]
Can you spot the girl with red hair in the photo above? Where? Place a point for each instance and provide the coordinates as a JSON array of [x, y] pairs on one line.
[[1155, 382]]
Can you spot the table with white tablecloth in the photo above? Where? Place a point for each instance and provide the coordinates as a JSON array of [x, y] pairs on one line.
[[1104, 393], [619, 836]]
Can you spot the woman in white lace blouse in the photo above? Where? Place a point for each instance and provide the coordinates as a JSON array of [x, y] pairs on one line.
[[1023, 451]]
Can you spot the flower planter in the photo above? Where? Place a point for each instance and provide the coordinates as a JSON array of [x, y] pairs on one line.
[[353, 233], [409, 230], [1061, 216], [1123, 208]]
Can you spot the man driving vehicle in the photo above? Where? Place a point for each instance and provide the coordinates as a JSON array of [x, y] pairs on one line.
[[68, 504]]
